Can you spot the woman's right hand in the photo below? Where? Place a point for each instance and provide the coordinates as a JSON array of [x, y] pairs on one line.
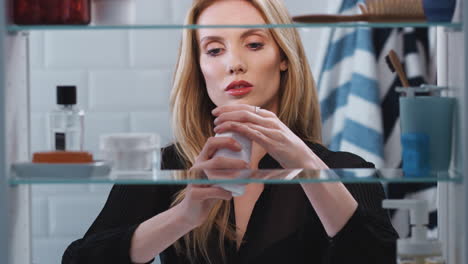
[[199, 199]]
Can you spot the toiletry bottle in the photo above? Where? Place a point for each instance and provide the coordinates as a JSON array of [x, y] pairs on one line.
[[66, 122], [245, 143], [417, 249], [244, 154], [51, 12]]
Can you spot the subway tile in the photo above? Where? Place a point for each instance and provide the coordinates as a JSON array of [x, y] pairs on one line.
[[36, 50], [50, 250], [179, 10], [152, 122], [301, 7], [154, 48], [153, 11], [44, 88], [72, 215], [130, 90], [86, 49], [311, 39], [39, 133], [40, 216], [45, 190], [102, 189]]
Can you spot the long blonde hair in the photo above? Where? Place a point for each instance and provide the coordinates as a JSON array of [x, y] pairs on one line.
[[191, 107]]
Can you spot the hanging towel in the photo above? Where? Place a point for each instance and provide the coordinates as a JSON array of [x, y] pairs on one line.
[[349, 92]]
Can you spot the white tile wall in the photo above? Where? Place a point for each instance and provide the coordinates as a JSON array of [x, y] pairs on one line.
[[44, 82], [123, 80], [150, 49], [86, 49], [131, 90], [62, 216]]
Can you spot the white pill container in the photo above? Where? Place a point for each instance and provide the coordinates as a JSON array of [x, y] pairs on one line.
[[246, 144], [245, 155], [131, 151]]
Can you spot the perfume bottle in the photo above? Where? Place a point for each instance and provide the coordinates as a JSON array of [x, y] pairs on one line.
[[66, 122]]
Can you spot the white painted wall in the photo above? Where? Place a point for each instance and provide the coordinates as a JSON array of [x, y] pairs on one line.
[[123, 80]]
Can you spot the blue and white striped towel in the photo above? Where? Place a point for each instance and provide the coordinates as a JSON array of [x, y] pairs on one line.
[[349, 92]]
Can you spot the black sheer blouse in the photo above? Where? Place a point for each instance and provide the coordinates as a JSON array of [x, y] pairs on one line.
[[283, 227]]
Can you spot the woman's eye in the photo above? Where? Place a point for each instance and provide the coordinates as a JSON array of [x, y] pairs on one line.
[[255, 45], [214, 52]]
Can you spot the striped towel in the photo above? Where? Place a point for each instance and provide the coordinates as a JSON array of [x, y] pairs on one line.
[[359, 104], [349, 92]]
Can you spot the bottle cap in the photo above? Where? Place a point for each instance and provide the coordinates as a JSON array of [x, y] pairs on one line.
[[66, 95]]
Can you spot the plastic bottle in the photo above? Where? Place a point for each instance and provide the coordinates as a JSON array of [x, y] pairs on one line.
[[417, 249]]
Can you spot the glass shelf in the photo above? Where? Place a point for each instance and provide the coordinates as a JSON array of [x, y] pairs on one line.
[[233, 177], [18, 28]]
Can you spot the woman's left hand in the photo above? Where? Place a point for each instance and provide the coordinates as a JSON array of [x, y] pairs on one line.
[[267, 130]]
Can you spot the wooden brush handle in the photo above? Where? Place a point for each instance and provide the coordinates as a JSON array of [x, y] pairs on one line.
[[399, 68]]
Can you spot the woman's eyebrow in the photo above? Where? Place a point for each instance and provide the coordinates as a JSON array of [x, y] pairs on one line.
[[211, 38], [258, 31]]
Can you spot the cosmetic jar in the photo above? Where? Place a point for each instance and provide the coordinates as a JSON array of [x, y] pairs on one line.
[[131, 151], [51, 12]]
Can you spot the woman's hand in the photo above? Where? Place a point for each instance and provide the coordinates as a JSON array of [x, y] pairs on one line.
[[199, 199], [205, 159], [265, 128]]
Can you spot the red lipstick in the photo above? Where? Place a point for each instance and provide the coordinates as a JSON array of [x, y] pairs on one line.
[[238, 88]]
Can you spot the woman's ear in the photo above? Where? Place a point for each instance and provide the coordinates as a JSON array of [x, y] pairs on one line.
[[284, 65]]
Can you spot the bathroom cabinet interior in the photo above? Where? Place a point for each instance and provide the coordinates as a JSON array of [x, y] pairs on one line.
[[15, 200]]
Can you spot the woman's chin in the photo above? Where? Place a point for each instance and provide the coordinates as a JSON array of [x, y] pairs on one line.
[[243, 100]]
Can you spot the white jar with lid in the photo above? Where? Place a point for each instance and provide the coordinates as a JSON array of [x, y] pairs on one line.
[[131, 151]]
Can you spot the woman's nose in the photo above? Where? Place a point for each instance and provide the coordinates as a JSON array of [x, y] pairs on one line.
[[236, 64], [237, 68]]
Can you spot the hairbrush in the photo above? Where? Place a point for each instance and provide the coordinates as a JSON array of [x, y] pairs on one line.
[[395, 66]]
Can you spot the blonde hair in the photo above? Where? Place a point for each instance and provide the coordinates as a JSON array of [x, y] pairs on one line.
[[191, 107]]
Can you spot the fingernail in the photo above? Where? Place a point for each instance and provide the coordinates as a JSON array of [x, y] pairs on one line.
[[215, 111], [216, 121], [216, 129]]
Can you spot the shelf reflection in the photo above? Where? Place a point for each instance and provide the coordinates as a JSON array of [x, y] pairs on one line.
[[17, 28], [280, 176]]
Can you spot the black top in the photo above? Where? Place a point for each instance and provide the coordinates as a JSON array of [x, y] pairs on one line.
[[283, 227]]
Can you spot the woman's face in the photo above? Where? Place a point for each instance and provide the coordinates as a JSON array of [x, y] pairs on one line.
[[240, 65]]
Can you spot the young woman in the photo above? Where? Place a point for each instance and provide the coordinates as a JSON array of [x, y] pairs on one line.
[[256, 82]]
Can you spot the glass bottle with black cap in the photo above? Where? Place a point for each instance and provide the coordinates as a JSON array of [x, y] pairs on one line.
[[66, 121]]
